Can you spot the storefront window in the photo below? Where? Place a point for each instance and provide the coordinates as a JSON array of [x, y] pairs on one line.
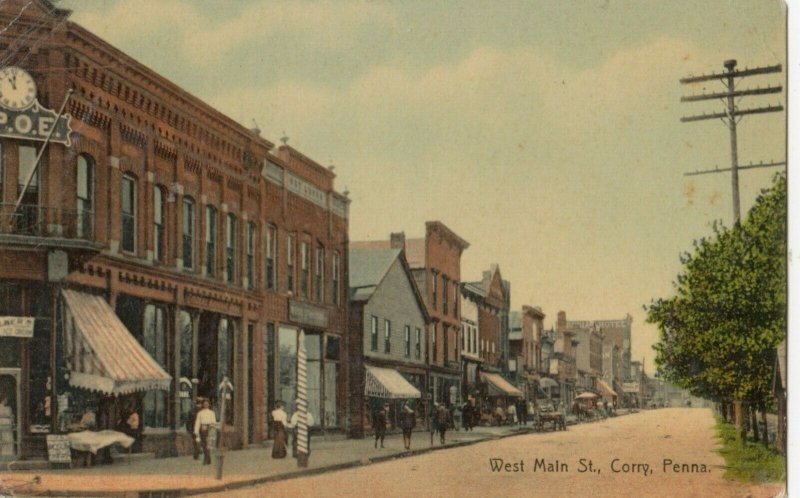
[[187, 343], [154, 404], [225, 361], [39, 397], [287, 366], [314, 376], [332, 355]]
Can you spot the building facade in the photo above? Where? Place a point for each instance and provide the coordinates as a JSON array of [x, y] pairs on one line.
[[204, 244], [471, 354], [387, 346], [525, 333], [435, 262]]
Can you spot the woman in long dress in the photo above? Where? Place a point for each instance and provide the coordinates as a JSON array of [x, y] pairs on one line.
[[279, 422]]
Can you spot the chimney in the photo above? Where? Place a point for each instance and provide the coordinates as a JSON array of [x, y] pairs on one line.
[[398, 240], [561, 324]]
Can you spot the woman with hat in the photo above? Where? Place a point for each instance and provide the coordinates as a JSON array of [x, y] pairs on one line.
[[279, 422]]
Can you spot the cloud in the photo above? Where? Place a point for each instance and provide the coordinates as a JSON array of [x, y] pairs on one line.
[[204, 38]]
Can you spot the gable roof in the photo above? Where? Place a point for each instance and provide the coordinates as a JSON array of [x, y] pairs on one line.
[[368, 268]]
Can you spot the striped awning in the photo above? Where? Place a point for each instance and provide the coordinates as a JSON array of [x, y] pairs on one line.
[[100, 352], [388, 384], [499, 386], [606, 389]]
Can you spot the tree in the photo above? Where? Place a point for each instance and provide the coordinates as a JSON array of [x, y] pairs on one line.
[[718, 333]]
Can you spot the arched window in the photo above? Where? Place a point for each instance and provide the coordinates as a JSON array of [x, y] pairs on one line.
[[211, 240], [188, 233], [271, 254], [85, 196], [230, 249], [251, 255], [128, 199], [158, 223]]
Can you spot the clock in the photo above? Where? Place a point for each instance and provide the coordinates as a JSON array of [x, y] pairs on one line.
[[17, 88]]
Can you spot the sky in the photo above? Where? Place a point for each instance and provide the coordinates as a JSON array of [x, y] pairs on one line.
[[545, 133]]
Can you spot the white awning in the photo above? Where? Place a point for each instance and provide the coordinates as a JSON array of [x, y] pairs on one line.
[[388, 384], [606, 389], [101, 353], [499, 386]]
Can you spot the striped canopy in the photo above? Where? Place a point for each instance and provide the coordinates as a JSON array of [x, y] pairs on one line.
[[388, 384], [100, 352]]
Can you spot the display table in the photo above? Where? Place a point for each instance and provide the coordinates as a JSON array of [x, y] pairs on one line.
[[92, 441]]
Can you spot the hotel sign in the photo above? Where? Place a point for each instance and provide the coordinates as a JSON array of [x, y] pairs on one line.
[[16, 326], [21, 115]]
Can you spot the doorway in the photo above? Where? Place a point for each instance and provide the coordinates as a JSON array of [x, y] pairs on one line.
[[10, 420]]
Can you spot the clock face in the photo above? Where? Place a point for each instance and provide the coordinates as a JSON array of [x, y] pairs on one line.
[[17, 88]]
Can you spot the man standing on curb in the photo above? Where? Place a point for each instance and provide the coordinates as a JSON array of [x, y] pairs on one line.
[[206, 419]]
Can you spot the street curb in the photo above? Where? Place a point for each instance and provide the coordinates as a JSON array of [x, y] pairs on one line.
[[245, 483]]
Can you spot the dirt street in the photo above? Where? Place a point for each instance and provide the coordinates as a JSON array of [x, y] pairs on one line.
[[618, 457]]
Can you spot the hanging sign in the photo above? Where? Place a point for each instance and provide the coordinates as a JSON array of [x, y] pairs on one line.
[[21, 115], [16, 326]]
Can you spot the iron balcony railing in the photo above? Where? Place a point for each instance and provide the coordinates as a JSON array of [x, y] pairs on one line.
[[45, 221]]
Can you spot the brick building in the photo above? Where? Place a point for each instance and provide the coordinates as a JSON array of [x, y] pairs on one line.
[[164, 221], [525, 347]]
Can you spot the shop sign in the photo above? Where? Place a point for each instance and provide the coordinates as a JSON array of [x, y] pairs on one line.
[[308, 314], [58, 449], [630, 387], [16, 326]]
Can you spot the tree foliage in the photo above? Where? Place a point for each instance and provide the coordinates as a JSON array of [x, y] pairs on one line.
[[719, 331]]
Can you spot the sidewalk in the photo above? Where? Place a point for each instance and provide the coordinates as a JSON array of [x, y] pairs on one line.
[[183, 476]]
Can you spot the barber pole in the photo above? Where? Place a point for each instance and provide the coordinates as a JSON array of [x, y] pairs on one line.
[[302, 406]]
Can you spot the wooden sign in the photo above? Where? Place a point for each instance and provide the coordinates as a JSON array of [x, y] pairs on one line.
[[58, 449]]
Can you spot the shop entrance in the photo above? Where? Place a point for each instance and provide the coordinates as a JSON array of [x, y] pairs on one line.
[[9, 413]]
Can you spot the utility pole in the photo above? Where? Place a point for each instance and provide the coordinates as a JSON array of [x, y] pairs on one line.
[[733, 115]]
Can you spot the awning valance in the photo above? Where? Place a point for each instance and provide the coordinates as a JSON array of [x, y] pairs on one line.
[[100, 352], [499, 386], [388, 384], [606, 389]]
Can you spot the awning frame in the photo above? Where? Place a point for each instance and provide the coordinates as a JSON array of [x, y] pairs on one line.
[[100, 352], [500, 385], [387, 383]]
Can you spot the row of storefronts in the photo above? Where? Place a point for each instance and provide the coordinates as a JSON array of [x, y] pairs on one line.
[[153, 250]]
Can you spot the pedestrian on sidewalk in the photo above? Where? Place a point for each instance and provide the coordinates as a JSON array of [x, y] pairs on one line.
[[442, 421], [466, 416], [408, 422], [512, 413], [293, 425], [190, 427], [522, 410], [381, 421], [206, 420], [280, 420]]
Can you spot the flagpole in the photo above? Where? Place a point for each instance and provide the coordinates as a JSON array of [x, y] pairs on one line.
[[40, 154]]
